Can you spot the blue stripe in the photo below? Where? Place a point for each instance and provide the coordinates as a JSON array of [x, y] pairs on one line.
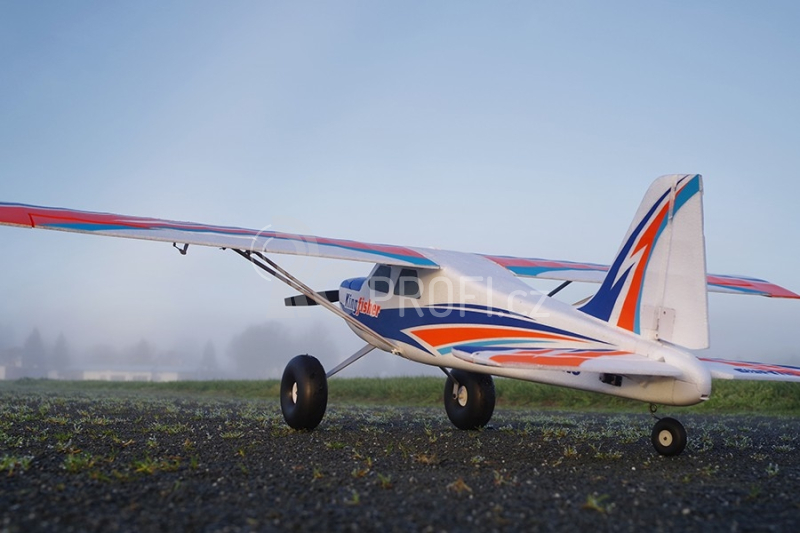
[[602, 303], [93, 227], [535, 271], [390, 324]]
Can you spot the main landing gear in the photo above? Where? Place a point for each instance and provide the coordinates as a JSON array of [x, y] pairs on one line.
[[304, 389], [304, 392], [669, 435], [469, 398]]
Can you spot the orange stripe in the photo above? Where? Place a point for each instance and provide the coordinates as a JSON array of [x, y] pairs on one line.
[[543, 360], [441, 336], [627, 317], [561, 352], [540, 358]]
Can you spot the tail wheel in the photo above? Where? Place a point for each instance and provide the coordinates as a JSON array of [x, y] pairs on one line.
[[469, 399], [669, 437], [304, 392]]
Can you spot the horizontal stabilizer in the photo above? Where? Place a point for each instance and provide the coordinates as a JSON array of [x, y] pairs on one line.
[[744, 370], [594, 273], [301, 300], [608, 361]]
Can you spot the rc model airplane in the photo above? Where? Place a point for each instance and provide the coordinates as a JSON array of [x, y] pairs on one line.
[[471, 315]]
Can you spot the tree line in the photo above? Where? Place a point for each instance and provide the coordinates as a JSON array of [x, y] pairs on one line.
[[259, 351]]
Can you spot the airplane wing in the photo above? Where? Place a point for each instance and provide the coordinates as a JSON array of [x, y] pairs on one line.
[[725, 369], [595, 273], [266, 240], [155, 229], [602, 361]]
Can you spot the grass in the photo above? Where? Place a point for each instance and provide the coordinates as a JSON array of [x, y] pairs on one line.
[[597, 503], [14, 463], [78, 462], [459, 486], [121, 435], [727, 396]]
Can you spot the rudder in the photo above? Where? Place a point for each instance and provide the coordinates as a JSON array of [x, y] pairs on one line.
[[656, 286]]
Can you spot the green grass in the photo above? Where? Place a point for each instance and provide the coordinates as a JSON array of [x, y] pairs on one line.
[[727, 396]]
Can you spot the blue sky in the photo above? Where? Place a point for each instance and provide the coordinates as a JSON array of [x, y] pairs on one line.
[[519, 128]]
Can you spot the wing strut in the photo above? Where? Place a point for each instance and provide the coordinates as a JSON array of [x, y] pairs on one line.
[[559, 288], [272, 268], [350, 360]]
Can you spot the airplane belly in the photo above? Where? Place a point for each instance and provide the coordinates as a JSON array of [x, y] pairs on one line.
[[650, 389]]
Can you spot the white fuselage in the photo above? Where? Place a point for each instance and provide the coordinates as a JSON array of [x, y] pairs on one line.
[[426, 312]]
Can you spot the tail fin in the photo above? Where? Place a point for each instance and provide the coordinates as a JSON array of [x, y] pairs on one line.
[[656, 286]]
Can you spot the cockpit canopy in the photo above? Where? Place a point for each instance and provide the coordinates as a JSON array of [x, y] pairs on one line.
[[399, 281]]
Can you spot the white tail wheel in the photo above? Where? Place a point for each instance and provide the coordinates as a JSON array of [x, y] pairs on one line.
[[669, 437], [665, 437]]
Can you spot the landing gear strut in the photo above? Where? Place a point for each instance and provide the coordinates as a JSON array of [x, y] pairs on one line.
[[669, 436], [469, 399]]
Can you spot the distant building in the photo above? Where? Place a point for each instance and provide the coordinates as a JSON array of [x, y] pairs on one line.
[[132, 373], [11, 363], [11, 367]]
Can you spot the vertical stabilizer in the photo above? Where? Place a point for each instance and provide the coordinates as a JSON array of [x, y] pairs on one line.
[[656, 286]]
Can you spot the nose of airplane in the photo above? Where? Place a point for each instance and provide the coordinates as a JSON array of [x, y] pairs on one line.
[[352, 284]]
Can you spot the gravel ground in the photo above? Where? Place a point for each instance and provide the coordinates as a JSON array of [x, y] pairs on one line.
[[128, 463]]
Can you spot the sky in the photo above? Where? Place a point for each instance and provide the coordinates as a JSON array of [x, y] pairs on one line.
[[517, 128]]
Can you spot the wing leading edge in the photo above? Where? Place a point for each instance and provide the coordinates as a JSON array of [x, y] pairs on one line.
[[594, 273], [205, 235]]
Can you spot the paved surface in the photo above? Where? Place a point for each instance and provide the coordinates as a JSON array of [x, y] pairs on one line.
[[110, 463]]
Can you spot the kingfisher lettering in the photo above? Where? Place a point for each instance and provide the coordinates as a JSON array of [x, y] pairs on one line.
[[361, 306]]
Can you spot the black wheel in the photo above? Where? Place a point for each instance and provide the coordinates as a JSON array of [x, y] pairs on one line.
[[669, 437], [469, 399], [304, 392]]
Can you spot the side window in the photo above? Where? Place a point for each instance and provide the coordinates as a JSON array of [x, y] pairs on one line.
[[407, 283], [379, 281]]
